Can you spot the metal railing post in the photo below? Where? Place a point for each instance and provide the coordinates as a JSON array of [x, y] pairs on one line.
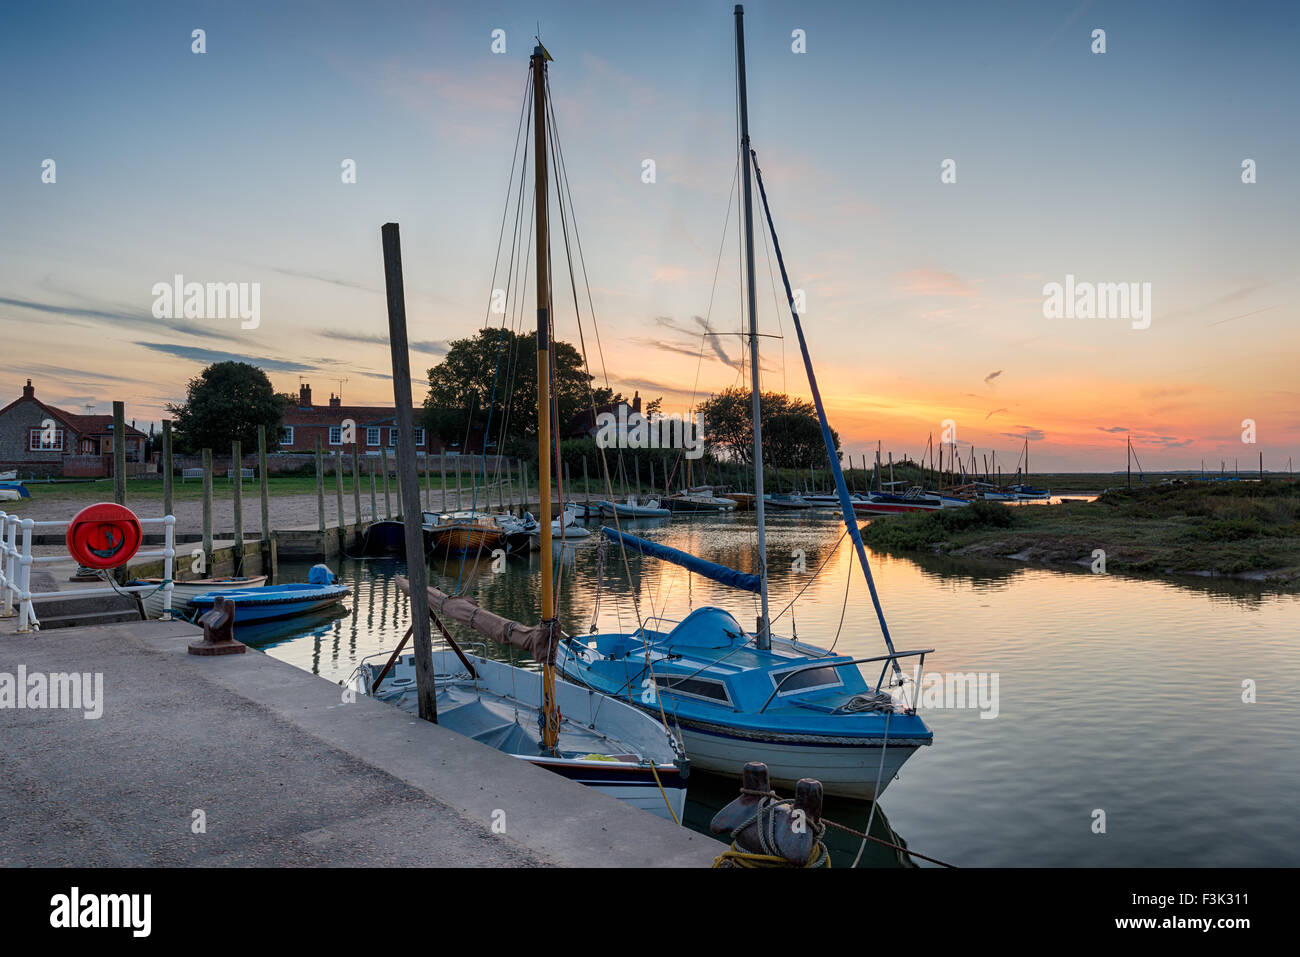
[[26, 616], [169, 554]]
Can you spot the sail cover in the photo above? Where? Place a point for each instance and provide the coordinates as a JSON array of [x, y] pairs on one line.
[[711, 570], [534, 639]]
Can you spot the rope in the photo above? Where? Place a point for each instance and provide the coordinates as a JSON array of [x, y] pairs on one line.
[[765, 818]]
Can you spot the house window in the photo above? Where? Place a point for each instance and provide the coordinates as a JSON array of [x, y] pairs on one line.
[[336, 435], [39, 440], [286, 435], [419, 437], [392, 438], [372, 436]]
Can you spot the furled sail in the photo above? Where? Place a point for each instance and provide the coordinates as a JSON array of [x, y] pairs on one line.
[[711, 570], [536, 639]]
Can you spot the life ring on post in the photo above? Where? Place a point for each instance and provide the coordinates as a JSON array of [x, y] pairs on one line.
[[105, 535]]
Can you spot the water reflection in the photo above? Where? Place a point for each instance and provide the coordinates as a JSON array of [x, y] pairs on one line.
[[1117, 692]]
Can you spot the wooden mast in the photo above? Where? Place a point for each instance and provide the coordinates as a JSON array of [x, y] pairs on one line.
[[764, 638], [551, 718]]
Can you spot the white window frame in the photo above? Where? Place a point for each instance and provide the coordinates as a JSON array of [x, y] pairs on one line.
[[36, 444], [373, 435], [336, 435], [419, 437], [392, 437], [287, 438], [776, 676]]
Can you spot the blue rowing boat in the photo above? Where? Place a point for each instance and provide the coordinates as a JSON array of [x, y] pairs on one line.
[[278, 601]]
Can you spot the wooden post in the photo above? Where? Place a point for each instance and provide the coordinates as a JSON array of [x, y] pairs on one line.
[[356, 485], [207, 512], [397, 484], [523, 477], [586, 483], [383, 461], [264, 482], [338, 494], [167, 467], [636, 464], [428, 489], [408, 480], [320, 495], [119, 453], [458, 503], [237, 501], [374, 504], [442, 469]]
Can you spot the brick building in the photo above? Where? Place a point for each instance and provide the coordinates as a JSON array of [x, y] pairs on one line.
[[374, 427], [39, 439]]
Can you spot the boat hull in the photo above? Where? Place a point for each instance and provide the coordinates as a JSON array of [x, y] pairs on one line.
[[182, 592], [268, 604], [464, 538]]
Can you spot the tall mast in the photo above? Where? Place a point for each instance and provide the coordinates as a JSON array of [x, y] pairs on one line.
[[551, 726], [764, 638]]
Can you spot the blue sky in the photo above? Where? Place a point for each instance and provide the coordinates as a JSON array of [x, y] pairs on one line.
[[1122, 166]]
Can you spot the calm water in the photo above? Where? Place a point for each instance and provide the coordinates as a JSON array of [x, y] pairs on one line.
[[1115, 693]]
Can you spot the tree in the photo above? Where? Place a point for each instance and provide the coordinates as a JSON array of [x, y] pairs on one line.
[[494, 374], [792, 436], [224, 402]]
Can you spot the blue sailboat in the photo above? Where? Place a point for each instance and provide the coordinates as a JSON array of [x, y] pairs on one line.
[[738, 696]]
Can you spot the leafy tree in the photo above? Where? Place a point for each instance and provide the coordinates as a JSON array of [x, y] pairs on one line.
[[224, 402], [494, 374], [792, 436]]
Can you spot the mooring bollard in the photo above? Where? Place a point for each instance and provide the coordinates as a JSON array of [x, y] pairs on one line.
[[218, 631], [769, 832]]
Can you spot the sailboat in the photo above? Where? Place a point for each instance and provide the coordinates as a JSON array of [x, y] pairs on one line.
[[739, 696], [534, 716]]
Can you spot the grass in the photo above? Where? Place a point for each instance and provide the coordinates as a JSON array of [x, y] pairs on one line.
[[1247, 530]]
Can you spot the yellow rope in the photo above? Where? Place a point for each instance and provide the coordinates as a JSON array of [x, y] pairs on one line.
[[737, 858]]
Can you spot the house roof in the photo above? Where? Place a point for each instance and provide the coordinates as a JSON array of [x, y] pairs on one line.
[[362, 415], [80, 424]]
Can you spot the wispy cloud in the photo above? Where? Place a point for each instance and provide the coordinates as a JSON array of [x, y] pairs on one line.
[[119, 317], [195, 354]]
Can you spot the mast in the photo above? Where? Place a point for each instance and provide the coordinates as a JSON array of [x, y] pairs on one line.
[[764, 638], [551, 722]]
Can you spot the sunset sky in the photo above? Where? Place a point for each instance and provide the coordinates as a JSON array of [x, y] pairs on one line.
[[924, 298]]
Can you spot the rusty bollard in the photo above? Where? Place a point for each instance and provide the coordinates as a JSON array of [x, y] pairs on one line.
[[218, 631], [769, 832]]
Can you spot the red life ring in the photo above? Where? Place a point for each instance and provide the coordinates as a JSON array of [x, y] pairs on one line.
[[104, 536]]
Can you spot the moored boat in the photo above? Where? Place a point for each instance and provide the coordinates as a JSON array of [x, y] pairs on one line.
[[153, 601], [274, 601]]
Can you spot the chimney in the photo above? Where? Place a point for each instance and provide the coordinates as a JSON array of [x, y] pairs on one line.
[[636, 401], [28, 391], [304, 396], [335, 401]]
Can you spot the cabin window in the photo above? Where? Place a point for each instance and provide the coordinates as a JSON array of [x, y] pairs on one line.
[[336, 435], [813, 679], [286, 435], [372, 436], [42, 440], [695, 687]]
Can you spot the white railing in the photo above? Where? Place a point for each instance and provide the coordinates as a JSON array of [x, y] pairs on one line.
[[16, 561]]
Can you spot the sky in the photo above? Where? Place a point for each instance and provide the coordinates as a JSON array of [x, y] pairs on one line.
[[923, 299]]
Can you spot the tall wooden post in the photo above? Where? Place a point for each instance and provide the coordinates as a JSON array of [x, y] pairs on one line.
[[383, 461], [338, 494], [320, 496], [408, 480], [167, 467], [442, 470], [523, 478], [374, 504], [356, 485], [428, 489], [207, 512], [265, 488], [458, 502], [397, 484], [119, 453], [237, 501], [586, 482]]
